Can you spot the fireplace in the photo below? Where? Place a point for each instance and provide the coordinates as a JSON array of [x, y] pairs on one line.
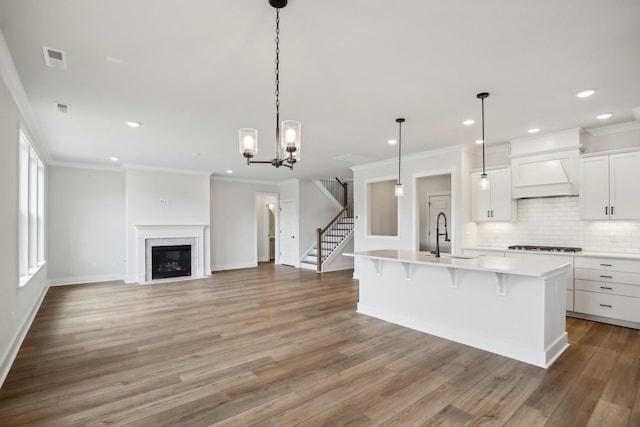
[[170, 261]]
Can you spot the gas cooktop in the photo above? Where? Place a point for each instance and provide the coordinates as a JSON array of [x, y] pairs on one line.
[[544, 248]]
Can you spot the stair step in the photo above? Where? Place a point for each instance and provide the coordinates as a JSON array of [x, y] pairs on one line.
[[308, 266]]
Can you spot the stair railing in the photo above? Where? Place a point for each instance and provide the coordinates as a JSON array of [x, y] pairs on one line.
[[323, 236], [337, 188]]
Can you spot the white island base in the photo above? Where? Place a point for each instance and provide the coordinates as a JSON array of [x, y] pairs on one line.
[[506, 306]]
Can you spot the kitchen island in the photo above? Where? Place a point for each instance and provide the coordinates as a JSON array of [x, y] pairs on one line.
[[512, 307]]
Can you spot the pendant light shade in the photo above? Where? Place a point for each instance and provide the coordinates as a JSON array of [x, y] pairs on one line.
[[484, 183], [399, 188]]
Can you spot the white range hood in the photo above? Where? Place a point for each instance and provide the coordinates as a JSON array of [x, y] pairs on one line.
[[546, 165]]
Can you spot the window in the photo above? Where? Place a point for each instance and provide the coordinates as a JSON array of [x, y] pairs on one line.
[[31, 211], [382, 208]]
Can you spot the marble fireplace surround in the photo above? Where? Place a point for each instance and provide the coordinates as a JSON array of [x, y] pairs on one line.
[[162, 235]]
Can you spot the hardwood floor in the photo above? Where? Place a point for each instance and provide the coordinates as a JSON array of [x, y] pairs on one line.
[[277, 346]]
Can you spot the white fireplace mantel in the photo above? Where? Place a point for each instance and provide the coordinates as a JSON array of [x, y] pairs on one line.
[[146, 232]]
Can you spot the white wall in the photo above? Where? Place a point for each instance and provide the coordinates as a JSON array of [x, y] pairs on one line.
[[233, 222], [453, 160], [315, 210], [17, 305], [86, 220], [165, 198]]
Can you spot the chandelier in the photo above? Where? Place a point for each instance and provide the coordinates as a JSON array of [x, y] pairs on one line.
[[287, 133]]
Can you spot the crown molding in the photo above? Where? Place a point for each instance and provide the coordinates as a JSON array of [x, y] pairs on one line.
[[215, 177], [455, 149], [620, 127], [146, 168], [90, 166]]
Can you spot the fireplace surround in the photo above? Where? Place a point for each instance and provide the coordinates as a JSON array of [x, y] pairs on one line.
[[148, 236]]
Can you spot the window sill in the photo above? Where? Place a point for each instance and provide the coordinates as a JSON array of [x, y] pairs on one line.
[[32, 272]]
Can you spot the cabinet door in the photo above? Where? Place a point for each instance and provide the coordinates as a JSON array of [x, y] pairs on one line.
[[501, 202], [594, 188], [480, 198], [624, 177]]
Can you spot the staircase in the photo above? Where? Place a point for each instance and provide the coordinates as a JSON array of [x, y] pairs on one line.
[[336, 235]]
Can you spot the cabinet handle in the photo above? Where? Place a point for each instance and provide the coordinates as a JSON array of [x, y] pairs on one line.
[[606, 305], [606, 277], [491, 214], [488, 216], [607, 265], [606, 210], [606, 288], [611, 210]]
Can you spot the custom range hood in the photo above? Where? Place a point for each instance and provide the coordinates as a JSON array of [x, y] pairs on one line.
[[546, 165]]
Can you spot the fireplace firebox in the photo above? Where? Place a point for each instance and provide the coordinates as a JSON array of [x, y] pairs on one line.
[[170, 261]]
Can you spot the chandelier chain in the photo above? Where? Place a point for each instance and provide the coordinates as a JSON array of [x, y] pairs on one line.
[[278, 61]]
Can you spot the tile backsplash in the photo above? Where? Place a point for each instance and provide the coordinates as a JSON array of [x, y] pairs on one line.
[[555, 221]]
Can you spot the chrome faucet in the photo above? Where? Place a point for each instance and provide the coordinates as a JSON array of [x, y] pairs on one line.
[[446, 233]]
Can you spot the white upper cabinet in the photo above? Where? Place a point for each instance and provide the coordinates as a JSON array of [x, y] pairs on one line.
[[609, 187], [494, 202]]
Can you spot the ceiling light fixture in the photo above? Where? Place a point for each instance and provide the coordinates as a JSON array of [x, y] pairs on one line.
[[479, 141], [604, 116], [114, 158], [483, 178], [392, 141], [399, 187], [133, 124], [586, 93], [289, 135], [534, 130], [229, 171], [468, 122]]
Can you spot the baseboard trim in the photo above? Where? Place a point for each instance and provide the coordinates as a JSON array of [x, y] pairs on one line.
[[235, 266], [12, 353], [78, 280]]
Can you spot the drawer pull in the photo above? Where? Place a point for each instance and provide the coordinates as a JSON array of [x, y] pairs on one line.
[[606, 287], [606, 305], [607, 265], [606, 277]]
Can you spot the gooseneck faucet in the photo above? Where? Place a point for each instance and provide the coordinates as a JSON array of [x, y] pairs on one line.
[[446, 233]]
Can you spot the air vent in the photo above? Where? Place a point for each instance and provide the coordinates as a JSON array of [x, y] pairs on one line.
[[64, 108], [55, 58]]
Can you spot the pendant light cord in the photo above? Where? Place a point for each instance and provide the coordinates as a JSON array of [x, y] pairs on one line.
[[399, 149], [277, 82], [483, 171]]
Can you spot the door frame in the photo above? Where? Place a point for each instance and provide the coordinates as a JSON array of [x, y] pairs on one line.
[[429, 195], [453, 228]]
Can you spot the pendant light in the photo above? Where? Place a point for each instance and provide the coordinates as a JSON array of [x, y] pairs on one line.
[[483, 178], [287, 134], [399, 187]]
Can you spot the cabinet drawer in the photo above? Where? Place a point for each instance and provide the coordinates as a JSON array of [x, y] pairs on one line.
[[608, 288], [613, 306], [609, 264], [608, 276]]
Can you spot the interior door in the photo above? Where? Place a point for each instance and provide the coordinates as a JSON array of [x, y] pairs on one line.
[[288, 233], [438, 204]]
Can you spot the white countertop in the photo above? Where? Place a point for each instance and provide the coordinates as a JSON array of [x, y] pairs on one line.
[[614, 255], [517, 266]]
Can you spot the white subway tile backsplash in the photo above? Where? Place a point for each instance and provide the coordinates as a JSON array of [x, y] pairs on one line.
[[556, 221]]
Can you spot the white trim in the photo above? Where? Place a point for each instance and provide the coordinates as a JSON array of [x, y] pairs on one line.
[[10, 75], [620, 127], [10, 356], [609, 152], [131, 166], [276, 255], [233, 266], [215, 177], [80, 280], [417, 156], [92, 166]]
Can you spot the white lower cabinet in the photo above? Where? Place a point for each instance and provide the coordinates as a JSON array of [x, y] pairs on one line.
[[608, 287]]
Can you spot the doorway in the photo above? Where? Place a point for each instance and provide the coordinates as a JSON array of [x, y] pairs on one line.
[[266, 225], [433, 195]]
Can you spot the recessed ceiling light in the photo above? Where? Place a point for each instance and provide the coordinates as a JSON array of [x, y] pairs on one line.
[[195, 154], [114, 158], [468, 122], [393, 141], [133, 124], [534, 130], [229, 171], [586, 93], [604, 116], [115, 60], [479, 141]]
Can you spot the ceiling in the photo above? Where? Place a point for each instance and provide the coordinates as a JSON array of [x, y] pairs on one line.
[[193, 72]]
